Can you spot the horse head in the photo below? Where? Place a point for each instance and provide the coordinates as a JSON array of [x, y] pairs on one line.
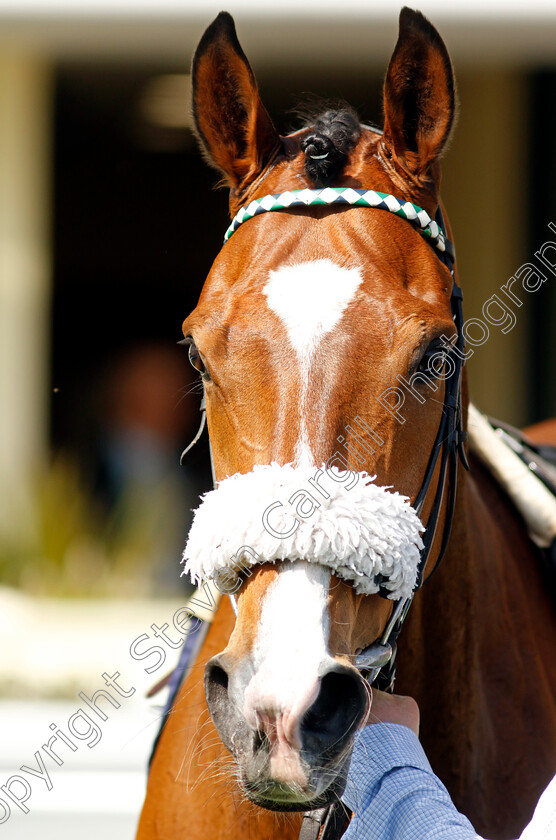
[[321, 336]]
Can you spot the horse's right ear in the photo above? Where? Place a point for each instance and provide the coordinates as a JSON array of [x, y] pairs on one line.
[[234, 128]]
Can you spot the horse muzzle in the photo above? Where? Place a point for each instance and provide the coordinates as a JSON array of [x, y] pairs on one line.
[[290, 759]]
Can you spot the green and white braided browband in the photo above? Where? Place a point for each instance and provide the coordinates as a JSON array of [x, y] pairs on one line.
[[418, 217]]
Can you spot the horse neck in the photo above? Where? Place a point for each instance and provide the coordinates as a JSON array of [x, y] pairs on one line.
[[483, 609], [479, 643]]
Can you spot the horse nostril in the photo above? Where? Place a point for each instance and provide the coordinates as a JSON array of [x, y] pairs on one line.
[[336, 713], [216, 678], [216, 688], [231, 726]]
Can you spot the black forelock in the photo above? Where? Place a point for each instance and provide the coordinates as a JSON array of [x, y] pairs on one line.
[[328, 144]]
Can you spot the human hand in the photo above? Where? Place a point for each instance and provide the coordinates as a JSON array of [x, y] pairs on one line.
[[392, 708]]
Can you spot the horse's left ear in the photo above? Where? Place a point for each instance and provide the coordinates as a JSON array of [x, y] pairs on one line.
[[232, 123], [419, 100]]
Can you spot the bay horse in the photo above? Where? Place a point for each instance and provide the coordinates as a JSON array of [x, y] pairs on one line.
[[311, 317]]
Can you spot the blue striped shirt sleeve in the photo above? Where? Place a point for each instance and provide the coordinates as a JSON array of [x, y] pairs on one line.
[[394, 793]]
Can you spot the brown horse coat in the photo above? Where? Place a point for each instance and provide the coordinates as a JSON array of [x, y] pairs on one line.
[[477, 651]]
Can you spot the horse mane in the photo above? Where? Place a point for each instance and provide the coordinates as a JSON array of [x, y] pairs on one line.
[[333, 135]]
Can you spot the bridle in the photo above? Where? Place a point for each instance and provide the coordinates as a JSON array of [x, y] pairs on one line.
[[377, 662], [347, 196], [379, 659]]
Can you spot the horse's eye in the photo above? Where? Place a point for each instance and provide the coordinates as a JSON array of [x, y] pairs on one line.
[[196, 360], [433, 359]]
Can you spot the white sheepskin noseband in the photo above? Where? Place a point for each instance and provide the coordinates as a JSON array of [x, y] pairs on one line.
[[338, 519]]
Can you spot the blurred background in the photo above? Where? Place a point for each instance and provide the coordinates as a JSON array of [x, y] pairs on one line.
[[108, 226]]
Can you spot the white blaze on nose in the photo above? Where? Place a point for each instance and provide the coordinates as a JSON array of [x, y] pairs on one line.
[[310, 299], [291, 645]]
